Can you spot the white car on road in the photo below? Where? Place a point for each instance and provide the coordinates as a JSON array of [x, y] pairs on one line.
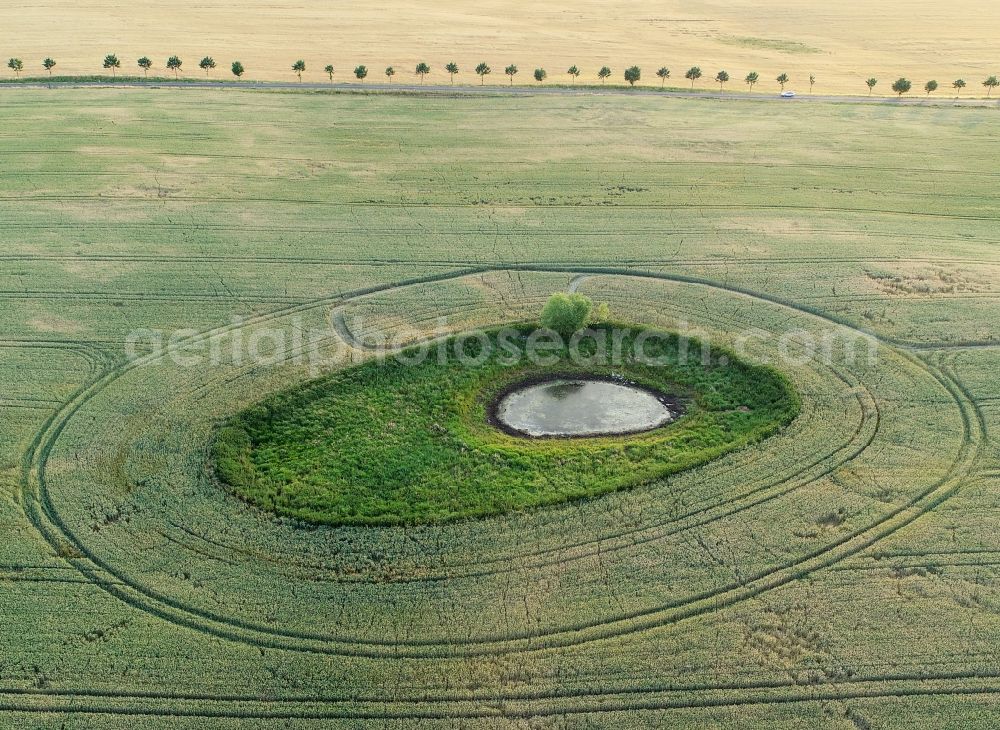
[[787, 94]]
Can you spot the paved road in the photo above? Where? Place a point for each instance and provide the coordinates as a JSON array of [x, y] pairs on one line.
[[501, 90]]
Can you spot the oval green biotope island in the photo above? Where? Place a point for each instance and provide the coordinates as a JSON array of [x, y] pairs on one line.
[[417, 438]]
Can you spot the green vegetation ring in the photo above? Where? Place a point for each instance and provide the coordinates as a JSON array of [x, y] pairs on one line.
[[409, 441]]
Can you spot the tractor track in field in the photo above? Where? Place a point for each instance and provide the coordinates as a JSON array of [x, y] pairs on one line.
[[520, 204], [180, 297], [649, 531], [259, 298], [42, 514], [338, 163], [357, 261], [600, 196], [362, 142], [607, 543], [534, 233], [576, 282], [931, 176], [604, 543], [916, 297], [608, 549], [751, 294], [498, 705], [343, 331]]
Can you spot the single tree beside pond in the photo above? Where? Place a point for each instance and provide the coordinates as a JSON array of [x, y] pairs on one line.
[[566, 313]]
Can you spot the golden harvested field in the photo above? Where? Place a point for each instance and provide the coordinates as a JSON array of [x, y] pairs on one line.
[[842, 44]]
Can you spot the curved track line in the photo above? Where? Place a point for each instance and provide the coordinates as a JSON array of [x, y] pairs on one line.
[[605, 544], [600, 544], [169, 609], [576, 282]]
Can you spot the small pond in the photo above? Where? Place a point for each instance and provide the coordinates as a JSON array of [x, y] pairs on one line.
[[570, 407]]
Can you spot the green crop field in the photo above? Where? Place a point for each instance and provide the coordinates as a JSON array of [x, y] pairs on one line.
[[174, 258]]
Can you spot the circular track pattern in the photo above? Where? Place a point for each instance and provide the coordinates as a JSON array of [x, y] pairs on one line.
[[118, 480]]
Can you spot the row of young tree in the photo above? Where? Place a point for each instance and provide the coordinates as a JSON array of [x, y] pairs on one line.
[[632, 74]]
